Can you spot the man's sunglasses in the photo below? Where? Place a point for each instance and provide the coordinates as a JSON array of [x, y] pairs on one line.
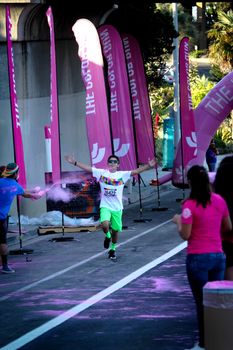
[[113, 161]]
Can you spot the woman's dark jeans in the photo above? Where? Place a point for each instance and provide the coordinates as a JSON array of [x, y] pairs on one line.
[[203, 268]]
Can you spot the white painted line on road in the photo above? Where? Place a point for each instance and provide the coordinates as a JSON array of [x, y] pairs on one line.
[[61, 272], [37, 332]]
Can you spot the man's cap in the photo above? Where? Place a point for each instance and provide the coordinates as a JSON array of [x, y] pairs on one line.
[[10, 170]]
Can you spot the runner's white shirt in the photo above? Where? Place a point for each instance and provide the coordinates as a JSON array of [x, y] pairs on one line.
[[111, 186]]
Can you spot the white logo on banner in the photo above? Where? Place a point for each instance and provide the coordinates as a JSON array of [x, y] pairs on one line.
[[97, 153], [192, 141], [120, 150]]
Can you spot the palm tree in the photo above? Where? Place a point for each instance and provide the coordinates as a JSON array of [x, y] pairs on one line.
[[221, 47]]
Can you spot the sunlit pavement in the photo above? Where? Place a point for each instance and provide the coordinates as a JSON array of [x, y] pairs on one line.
[[68, 295], [153, 311]]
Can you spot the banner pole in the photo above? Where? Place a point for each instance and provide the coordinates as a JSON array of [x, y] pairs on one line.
[[21, 250], [140, 102], [158, 208], [141, 218], [16, 131], [54, 116]]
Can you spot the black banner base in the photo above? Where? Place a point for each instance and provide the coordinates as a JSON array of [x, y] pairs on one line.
[[62, 239], [142, 220], [159, 209], [22, 251]]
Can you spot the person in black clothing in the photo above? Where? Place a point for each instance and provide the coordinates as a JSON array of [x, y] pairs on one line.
[[223, 185]]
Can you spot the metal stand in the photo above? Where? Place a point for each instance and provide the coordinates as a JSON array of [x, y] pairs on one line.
[[21, 250], [159, 208], [141, 219], [63, 238], [183, 197]]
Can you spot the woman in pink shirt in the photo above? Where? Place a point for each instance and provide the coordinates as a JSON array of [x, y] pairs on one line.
[[204, 216]]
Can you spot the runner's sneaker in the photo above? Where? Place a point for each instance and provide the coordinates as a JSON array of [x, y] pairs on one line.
[[7, 269], [112, 255], [107, 242]]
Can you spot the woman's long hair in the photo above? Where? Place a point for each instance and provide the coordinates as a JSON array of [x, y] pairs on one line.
[[200, 185], [223, 183]]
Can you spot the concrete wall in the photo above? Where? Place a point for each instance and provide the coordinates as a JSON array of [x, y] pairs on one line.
[[32, 72]]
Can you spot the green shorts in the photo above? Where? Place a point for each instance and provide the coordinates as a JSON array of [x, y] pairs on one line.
[[115, 217]]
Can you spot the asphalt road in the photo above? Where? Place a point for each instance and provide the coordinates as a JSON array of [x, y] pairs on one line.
[[68, 295]]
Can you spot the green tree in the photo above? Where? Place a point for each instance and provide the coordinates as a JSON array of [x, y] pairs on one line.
[[153, 29], [187, 26], [213, 9], [200, 88], [221, 47], [162, 100]]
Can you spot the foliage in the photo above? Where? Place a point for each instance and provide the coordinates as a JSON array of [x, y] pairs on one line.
[[161, 103], [212, 10], [219, 143], [221, 47], [157, 54], [162, 100], [200, 88], [222, 53], [153, 29], [187, 26], [197, 53], [224, 135], [215, 73], [159, 148]]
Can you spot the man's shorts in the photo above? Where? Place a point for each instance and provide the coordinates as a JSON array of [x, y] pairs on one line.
[[114, 217], [3, 230]]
